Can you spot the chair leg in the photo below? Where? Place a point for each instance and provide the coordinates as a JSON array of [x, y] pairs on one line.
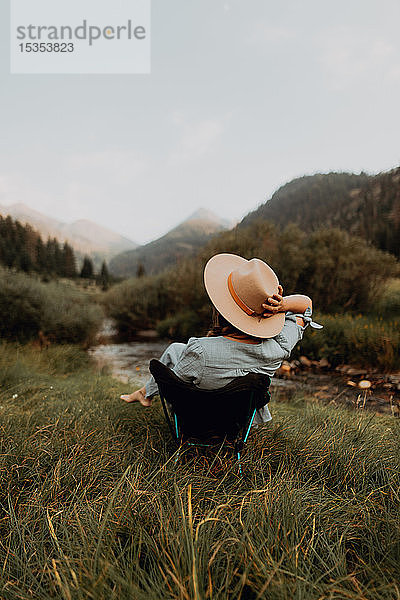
[[172, 426], [238, 450], [240, 464], [239, 444], [176, 426], [249, 427]]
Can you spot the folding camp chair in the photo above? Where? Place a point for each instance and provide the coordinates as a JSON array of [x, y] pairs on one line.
[[205, 417]]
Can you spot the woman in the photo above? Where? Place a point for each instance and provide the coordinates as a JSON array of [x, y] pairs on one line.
[[254, 329]]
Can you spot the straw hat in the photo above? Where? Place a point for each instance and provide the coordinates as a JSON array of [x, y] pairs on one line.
[[238, 287]]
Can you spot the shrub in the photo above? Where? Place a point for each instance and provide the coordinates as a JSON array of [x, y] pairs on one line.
[[344, 272], [142, 303], [388, 300], [354, 339], [339, 271], [137, 303], [61, 312], [69, 316], [21, 306], [181, 326]]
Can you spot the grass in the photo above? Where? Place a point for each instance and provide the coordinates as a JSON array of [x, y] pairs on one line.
[[93, 506]]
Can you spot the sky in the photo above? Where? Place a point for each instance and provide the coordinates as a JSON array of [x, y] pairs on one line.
[[243, 96]]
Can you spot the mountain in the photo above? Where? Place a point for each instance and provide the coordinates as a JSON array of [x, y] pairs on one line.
[[98, 238], [309, 201], [181, 242], [364, 205], [84, 236]]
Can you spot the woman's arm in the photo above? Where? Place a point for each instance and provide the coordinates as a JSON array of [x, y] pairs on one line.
[[296, 303]]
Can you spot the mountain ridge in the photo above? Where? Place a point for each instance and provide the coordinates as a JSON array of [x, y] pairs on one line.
[[180, 242]]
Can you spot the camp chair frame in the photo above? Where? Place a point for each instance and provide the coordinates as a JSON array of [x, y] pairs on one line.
[[224, 414]]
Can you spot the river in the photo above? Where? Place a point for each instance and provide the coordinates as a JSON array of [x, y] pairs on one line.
[[128, 362]]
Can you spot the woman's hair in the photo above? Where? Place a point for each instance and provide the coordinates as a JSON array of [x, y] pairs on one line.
[[220, 326]]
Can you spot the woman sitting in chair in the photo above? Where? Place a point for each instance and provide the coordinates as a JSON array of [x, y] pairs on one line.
[[254, 329]]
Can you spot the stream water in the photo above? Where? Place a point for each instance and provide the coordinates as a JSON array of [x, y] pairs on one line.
[[128, 362]]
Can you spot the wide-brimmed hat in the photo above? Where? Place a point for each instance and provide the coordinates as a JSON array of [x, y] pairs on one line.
[[238, 287]]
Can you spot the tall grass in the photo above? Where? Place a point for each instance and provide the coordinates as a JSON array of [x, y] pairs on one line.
[[363, 340], [92, 504]]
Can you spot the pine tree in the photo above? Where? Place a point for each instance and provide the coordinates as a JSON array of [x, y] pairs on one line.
[[24, 261], [103, 278], [87, 268], [50, 257], [41, 256], [68, 261], [140, 271]]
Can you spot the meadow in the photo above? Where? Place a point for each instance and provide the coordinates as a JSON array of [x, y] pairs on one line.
[[94, 506]]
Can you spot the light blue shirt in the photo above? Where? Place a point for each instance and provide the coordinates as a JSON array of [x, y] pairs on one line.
[[212, 362]]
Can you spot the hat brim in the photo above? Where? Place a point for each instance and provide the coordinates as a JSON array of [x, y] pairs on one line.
[[216, 275]]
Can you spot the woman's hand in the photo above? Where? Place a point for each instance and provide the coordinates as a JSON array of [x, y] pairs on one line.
[[274, 304]]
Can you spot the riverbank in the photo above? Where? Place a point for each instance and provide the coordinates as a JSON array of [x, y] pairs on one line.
[[347, 386]]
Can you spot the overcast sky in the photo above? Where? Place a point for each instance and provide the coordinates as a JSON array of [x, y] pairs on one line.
[[243, 96]]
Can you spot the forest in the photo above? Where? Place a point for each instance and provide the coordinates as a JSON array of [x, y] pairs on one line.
[[367, 206], [22, 248]]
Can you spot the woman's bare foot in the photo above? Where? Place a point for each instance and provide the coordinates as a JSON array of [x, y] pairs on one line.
[[138, 396]]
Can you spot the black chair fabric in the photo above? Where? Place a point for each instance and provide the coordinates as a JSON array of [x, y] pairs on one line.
[[223, 412]]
